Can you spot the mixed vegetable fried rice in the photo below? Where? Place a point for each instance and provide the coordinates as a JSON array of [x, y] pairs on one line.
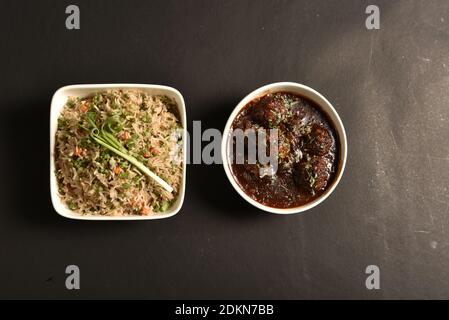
[[93, 180]]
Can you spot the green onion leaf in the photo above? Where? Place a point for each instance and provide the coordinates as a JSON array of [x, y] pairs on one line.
[[107, 140]]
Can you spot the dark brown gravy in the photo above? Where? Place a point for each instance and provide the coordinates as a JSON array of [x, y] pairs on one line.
[[308, 151]]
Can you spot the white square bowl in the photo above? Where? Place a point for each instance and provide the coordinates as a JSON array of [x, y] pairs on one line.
[[57, 103]]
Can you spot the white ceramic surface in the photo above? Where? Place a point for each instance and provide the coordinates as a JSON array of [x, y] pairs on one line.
[[57, 103], [325, 105]]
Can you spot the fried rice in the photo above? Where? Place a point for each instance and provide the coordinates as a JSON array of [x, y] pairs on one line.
[[93, 180]]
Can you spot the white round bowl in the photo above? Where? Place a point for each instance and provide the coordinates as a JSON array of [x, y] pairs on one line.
[[326, 107]]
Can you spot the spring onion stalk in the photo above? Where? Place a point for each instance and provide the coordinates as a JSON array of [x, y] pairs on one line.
[[108, 141]]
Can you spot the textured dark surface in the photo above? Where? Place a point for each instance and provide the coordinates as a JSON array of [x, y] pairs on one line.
[[389, 86]]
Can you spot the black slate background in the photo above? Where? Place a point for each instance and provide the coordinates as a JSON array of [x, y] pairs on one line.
[[389, 86]]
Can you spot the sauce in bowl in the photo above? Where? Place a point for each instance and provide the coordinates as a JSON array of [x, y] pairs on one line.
[[307, 158]]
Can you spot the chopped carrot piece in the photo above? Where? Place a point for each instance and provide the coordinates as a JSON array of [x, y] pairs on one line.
[[117, 170], [146, 155], [145, 211], [84, 108], [77, 151]]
